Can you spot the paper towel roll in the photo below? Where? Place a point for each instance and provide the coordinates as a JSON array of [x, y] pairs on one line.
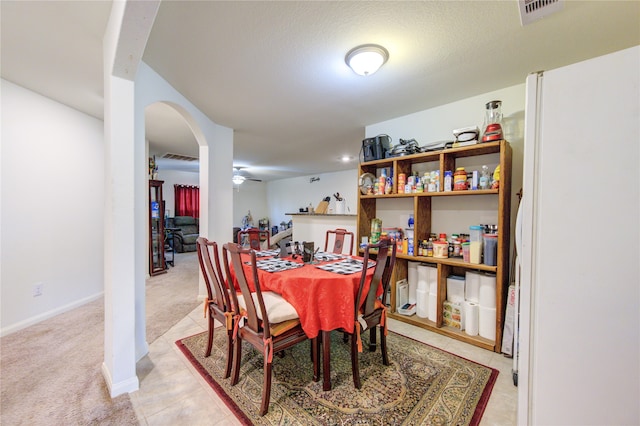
[[433, 307], [471, 317], [487, 293], [472, 287], [422, 303], [423, 272], [455, 289], [487, 322], [432, 279], [412, 278]]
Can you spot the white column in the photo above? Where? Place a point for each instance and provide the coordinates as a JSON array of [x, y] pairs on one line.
[[123, 45]]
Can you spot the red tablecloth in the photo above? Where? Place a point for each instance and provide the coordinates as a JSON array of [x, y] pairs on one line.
[[324, 300]]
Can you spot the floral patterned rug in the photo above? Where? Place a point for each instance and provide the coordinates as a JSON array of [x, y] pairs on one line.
[[423, 384]]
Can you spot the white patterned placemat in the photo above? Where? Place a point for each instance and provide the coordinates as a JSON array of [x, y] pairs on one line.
[[345, 267], [277, 265], [325, 256], [267, 253]]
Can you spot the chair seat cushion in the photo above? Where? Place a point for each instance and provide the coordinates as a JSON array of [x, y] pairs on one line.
[[281, 327], [278, 309]]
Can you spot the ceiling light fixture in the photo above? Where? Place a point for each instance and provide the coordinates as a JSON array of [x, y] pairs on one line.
[[366, 59], [237, 179]]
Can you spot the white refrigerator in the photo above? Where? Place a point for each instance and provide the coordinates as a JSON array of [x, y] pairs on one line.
[[579, 358]]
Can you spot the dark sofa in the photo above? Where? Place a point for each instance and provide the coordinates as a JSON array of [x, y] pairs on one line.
[[185, 238]]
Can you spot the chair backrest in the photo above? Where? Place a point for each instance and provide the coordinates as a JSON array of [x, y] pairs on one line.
[[256, 236], [232, 255], [385, 254], [338, 241], [213, 278]]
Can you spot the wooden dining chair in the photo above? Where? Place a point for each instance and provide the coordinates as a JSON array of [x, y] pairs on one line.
[[339, 236], [370, 311], [255, 238], [271, 323], [218, 303]]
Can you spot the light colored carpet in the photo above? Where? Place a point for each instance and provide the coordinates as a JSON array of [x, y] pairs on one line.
[[50, 373]]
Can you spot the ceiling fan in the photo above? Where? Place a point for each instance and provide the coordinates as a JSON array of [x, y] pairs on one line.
[[238, 178]]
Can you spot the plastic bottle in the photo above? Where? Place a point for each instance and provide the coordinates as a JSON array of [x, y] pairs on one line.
[[485, 179], [410, 221], [460, 179], [432, 182], [388, 186], [430, 247], [426, 179], [448, 181]]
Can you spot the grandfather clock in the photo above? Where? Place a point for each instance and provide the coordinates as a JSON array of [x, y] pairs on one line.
[[156, 229]]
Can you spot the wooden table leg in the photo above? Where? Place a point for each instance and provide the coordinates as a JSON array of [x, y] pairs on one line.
[[326, 360]]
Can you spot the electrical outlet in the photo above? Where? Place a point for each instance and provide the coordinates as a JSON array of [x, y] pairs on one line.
[[37, 289]]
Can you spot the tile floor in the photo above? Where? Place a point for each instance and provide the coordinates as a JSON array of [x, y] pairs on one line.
[[173, 393]]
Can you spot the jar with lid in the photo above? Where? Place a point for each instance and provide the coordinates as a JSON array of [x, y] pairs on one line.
[[457, 248], [460, 179]]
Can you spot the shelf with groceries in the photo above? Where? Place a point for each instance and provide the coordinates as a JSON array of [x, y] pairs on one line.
[[442, 194]]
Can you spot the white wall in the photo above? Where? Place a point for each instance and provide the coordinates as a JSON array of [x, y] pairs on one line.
[[216, 159], [250, 196], [288, 195], [175, 177], [52, 207], [313, 228]]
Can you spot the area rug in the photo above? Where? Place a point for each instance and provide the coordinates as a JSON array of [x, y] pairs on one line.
[[423, 385]]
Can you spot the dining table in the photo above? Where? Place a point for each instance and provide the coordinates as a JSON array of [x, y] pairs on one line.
[[323, 292]]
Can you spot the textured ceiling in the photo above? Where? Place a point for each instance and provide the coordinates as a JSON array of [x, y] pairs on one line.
[[275, 71]]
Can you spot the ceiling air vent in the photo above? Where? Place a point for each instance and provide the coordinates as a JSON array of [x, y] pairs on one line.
[[170, 156], [532, 10]]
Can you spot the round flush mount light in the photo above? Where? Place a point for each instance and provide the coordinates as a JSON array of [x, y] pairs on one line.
[[366, 59]]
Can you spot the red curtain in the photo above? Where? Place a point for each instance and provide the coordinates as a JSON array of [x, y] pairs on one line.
[[187, 200]]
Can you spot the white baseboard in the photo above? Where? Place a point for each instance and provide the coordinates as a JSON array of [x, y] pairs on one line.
[[46, 315], [126, 386]]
